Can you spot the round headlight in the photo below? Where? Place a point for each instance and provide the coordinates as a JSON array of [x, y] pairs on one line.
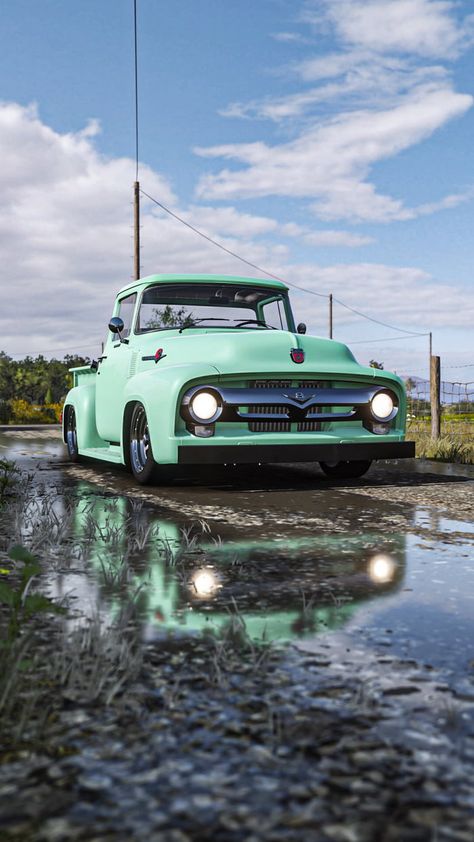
[[204, 406], [382, 406]]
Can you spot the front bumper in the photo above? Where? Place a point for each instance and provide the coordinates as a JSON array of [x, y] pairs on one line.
[[257, 453]]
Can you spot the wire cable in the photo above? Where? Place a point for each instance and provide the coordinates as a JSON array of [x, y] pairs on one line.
[[377, 321], [271, 274], [136, 84], [385, 339], [229, 251]]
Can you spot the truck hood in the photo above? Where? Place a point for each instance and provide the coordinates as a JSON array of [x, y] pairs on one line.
[[239, 351]]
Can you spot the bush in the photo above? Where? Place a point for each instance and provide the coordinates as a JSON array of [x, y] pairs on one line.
[[56, 411], [23, 412]]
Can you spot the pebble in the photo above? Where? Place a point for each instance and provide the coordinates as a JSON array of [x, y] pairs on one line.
[[95, 782]]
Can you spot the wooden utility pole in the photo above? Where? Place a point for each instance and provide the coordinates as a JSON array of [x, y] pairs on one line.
[[136, 228], [330, 316], [435, 396]]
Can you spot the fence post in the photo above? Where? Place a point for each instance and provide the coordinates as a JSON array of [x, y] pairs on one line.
[[435, 396]]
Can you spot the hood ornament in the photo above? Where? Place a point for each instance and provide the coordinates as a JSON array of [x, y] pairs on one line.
[[297, 355]]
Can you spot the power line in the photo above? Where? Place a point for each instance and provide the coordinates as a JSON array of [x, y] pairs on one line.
[[229, 251], [271, 274], [385, 339], [378, 322], [136, 84]]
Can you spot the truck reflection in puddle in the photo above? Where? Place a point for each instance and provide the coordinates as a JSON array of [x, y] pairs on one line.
[[186, 578]]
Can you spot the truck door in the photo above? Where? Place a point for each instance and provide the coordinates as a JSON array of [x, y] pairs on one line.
[[113, 372]]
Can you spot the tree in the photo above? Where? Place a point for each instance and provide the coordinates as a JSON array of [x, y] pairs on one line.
[[168, 317], [6, 377]]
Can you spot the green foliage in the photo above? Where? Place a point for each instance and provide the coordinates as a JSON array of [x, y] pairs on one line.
[[5, 411], [20, 603], [36, 380], [169, 317], [8, 471]]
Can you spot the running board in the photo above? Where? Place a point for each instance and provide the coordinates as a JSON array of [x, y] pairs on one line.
[[111, 453]]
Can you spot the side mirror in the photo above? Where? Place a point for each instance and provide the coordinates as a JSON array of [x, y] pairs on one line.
[[116, 326], [301, 328]]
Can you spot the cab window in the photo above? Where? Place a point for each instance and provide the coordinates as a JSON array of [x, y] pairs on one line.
[[125, 311]]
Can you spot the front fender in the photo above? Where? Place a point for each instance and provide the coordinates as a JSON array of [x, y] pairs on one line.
[[82, 398], [158, 390]]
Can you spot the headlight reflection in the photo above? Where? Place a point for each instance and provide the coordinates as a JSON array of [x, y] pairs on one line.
[[382, 568], [205, 582]]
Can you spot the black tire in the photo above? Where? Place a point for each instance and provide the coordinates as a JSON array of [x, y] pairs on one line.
[[142, 464], [346, 470], [70, 430]]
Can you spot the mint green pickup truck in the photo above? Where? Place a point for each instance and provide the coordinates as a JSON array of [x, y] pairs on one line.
[[205, 369]]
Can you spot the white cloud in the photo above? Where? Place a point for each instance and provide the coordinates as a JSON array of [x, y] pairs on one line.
[[427, 28], [384, 88], [66, 241], [337, 238], [290, 37], [330, 162], [404, 296]]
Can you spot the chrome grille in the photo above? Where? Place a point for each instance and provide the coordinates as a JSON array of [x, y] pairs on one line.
[[269, 426], [282, 426]]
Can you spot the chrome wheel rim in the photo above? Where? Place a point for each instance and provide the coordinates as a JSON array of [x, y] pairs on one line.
[[139, 440], [71, 433]]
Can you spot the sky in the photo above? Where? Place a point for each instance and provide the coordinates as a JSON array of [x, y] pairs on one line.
[[327, 141]]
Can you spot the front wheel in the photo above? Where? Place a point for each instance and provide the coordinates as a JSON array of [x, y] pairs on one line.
[[142, 463], [346, 470]]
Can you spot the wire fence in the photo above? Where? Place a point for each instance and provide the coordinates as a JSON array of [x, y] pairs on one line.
[[457, 408]]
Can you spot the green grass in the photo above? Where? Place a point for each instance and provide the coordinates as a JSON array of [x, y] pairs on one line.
[[452, 446]]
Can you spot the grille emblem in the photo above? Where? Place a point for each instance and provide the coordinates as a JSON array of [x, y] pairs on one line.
[[297, 355], [299, 397]]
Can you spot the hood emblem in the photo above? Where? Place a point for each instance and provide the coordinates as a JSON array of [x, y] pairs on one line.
[[157, 356], [297, 355]]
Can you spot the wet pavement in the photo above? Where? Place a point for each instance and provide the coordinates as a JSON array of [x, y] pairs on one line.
[[372, 582], [385, 560]]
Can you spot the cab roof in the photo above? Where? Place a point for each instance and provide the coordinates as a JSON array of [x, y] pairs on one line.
[[184, 279]]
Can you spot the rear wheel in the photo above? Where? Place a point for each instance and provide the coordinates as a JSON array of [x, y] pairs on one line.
[[71, 434], [142, 463], [346, 470]]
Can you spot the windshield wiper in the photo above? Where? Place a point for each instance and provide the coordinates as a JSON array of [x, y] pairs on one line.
[[253, 322], [204, 319]]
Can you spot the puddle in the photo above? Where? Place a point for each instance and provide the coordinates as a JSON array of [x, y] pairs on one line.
[[190, 579], [280, 577], [22, 447], [438, 523]]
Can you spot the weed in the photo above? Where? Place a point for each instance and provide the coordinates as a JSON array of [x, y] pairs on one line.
[[22, 605], [8, 476], [451, 447], [234, 644]]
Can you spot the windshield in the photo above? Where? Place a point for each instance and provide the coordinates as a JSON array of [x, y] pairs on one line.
[[205, 305]]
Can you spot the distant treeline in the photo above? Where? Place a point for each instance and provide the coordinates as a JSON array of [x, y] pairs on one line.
[[34, 382]]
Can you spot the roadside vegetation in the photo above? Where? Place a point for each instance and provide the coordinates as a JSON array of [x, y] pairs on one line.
[[456, 443], [32, 390]]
